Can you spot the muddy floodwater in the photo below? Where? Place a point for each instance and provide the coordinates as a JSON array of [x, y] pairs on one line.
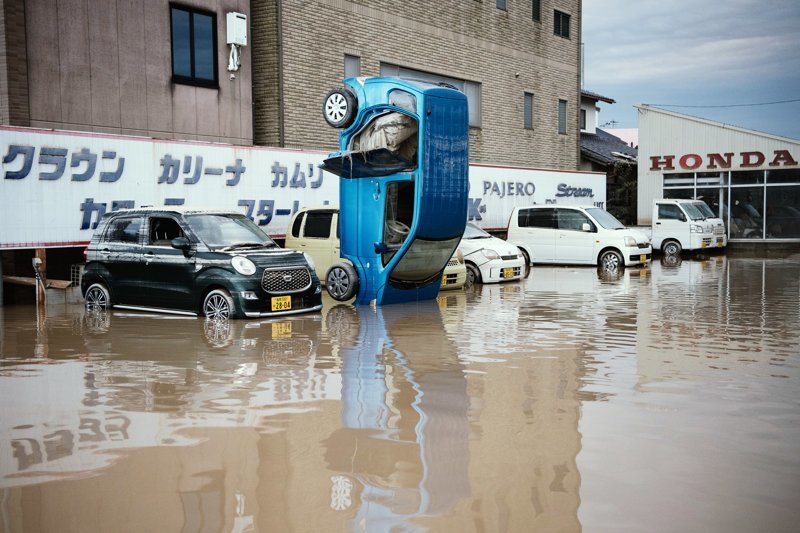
[[664, 399]]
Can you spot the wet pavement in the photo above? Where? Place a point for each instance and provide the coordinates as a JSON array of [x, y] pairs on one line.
[[665, 399]]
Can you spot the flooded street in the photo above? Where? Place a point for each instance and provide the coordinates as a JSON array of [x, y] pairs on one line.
[[667, 399]]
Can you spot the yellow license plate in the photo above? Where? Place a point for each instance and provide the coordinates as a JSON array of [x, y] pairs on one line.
[[703, 244], [508, 272], [643, 258], [444, 280], [281, 303], [281, 330]]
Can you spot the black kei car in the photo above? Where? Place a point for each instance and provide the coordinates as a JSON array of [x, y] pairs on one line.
[[195, 262]]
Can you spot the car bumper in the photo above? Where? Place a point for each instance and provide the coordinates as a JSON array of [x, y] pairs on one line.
[[499, 270], [454, 280], [254, 302], [638, 256]]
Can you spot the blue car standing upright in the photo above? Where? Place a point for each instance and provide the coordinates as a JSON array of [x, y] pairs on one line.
[[403, 164]]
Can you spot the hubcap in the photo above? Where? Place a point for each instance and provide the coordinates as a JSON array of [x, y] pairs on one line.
[[336, 107], [672, 249], [338, 282], [217, 307], [96, 299], [611, 261]]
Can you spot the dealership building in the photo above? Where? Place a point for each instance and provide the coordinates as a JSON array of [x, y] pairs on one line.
[[750, 179]]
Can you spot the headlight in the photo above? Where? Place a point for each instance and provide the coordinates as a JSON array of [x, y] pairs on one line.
[[243, 265], [696, 228], [460, 256], [490, 254], [630, 242], [310, 261]]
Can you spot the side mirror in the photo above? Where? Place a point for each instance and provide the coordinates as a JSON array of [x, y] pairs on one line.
[[182, 243], [683, 217], [586, 227], [380, 247]]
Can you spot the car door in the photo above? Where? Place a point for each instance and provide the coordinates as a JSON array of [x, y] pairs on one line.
[[537, 231], [671, 222], [167, 273], [120, 251], [574, 245]]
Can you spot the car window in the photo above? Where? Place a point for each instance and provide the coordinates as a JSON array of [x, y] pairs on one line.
[[569, 219], [298, 221], [536, 218], [124, 229], [227, 230], [669, 212], [318, 224], [163, 230], [604, 218]]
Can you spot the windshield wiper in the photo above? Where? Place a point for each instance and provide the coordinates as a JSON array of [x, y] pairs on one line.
[[247, 245]]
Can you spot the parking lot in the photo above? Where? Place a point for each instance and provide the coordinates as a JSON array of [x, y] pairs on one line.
[[656, 399]]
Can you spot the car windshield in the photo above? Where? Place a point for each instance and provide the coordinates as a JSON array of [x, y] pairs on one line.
[[228, 231], [604, 218], [692, 210], [474, 232], [703, 208]]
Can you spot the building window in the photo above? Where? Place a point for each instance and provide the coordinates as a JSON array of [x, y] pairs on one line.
[[561, 24], [583, 119], [562, 117], [471, 89], [501, 4], [537, 10], [352, 66], [194, 46], [528, 111]]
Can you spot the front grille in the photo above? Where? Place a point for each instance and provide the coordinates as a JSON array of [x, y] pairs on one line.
[[509, 257], [452, 263], [285, 280], [635, 258], [449, 279], [707, 241], [643, 245], [719, 230], [517, 271]]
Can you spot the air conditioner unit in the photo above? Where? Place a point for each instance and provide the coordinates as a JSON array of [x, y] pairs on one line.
[[237, 29]]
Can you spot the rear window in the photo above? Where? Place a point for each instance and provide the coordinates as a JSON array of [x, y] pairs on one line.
[[124, 229], [536, 218]]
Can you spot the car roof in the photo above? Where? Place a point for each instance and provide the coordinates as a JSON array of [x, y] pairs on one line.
[[176, 209]]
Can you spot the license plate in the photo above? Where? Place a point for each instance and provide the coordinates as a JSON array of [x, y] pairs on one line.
[[719, 242], [703, 244], [281, 330], [643, 258], [508, 272], [444, 280], [281, 303]]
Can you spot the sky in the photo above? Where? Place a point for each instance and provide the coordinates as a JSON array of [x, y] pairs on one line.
[[698, 53]]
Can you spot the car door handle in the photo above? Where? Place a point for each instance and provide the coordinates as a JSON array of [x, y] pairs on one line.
[[658, 223], [105, 251]]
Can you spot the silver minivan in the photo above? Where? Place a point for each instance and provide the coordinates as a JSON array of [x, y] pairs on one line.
[[576, 235]]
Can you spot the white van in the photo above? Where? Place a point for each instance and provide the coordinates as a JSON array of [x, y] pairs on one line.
[[685, 225], [576, 235]]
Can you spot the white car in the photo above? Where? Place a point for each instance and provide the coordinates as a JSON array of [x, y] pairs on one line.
[[489, 259]]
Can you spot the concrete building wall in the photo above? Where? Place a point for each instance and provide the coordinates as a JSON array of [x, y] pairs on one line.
[[105, 66], [13, 64], [503, 50]]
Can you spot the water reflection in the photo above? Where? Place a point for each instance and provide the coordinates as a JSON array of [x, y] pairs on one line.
[[575, 399]]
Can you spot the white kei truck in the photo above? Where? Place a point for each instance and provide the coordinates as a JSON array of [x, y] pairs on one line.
[[679, 225]]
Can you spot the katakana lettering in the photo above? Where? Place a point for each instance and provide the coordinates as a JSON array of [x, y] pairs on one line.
[[27, 161], [169, 169], [237, 170], [80, 157], [53, 156], [281, 175], [298, 178], [198, 168], [110, 177], [315, 184], [89, 208]]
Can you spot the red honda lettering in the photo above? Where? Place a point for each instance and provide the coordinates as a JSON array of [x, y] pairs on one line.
[[784, 156], [752, 159], [720, 160], [696, 161], [656, 162]]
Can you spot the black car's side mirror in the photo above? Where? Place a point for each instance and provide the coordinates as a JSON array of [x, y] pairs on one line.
[[183, 244]]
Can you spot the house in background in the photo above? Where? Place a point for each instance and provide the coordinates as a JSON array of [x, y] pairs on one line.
[[604, 152]]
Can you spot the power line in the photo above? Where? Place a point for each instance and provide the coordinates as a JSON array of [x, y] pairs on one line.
[[728, 105]]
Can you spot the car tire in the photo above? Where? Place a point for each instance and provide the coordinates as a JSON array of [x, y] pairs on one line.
[[671, 248], [611, 260], [339, 107], [527, 270], [97, 297], [341, 281], [473, 275], [218, 305]]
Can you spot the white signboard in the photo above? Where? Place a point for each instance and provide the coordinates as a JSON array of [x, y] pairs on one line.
[[55, 185]]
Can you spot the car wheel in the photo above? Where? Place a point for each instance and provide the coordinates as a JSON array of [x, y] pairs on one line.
[[341, 281], [97, 297], [611, 260], [218, 305], [339, 108], [527, 271], [671, 248], [473, 274]]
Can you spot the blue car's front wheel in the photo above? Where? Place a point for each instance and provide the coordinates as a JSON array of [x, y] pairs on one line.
[[341, 281]]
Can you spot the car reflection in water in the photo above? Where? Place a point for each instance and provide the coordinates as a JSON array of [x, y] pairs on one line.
[[402, 451]]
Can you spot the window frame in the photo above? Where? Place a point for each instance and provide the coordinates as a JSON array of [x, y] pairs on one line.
[[193, 79], [527, 111], [562, 117], [536, 10], [559, 20]]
